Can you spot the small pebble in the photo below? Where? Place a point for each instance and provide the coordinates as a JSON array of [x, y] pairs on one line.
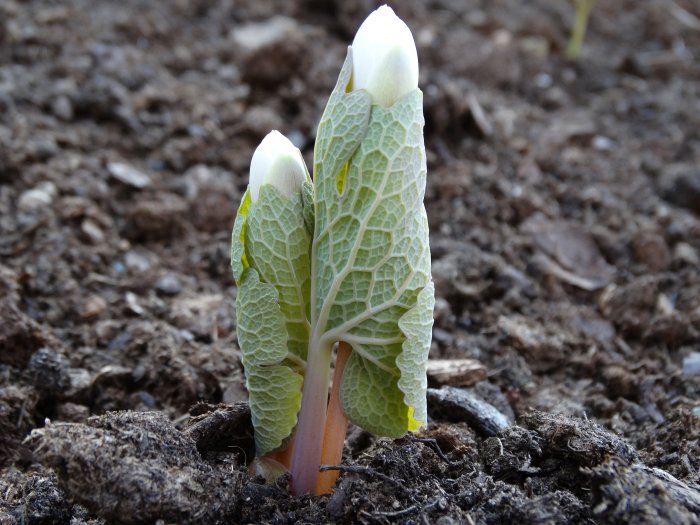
[[169, 284], [128, 175], [93, 307], [185, 335], [133, 303], [256, 35], [195, 130], [62, 108], [691, 365], [72, 412], [686, 253], [602, 143], [261, 119], [37, 198], [92, 231], [44, 148], [137, 262], [543, 80]]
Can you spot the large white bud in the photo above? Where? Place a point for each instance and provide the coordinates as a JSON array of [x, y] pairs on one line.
[[278, 162], [384, 57]]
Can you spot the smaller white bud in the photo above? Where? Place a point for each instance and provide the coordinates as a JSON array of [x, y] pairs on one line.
[[384, 57], [278, 162]]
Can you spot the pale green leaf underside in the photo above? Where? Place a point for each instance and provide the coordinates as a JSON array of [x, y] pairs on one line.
[[371, 244], [271, 258], [389, 402], [239, 260], [261, 343], [274, 388], [417, 326], [275, 398], [372, 399], [341, 129], [307, 195], [372, 256], [277, 242]]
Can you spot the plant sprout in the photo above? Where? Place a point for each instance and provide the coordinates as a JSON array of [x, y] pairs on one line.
[[578, 32], [343, 262]]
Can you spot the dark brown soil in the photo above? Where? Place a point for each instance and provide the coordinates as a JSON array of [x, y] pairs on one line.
[[564, 202]]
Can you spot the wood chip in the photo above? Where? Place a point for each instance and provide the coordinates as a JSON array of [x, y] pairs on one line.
[[456, 372]]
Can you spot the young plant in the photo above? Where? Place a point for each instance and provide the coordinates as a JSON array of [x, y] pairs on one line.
[[343, 261], [578, 32]]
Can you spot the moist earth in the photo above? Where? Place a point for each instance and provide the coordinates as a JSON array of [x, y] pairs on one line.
[[564, 204]]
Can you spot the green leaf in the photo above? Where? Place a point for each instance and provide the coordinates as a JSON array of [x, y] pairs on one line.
[[371, 398], [239, 260], [270, 258], [307, 195], [389, 400], [417, 326], [275, 398], [371, 257], [261, 343], [342, 128], [384, 400], [278, 241], [274, 388]]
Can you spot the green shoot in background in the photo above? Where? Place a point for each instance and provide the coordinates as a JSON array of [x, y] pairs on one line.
[[578, 32]]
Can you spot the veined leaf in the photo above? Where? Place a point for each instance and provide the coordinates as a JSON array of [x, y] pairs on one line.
[[239, 260], [371, 256], [275, 397], [277, 241], [270, 258], [307, 195], [274, 388], [417, 326]]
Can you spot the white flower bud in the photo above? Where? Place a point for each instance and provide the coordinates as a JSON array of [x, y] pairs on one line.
[[384, 57], [278, 162]]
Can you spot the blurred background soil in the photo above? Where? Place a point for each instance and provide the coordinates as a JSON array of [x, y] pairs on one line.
[[564, 204]]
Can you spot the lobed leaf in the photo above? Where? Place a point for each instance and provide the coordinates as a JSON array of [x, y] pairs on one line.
[[270, 258], [275, 399], [372, 259], [307, 195], [239, 260], [417, 326], [278, 244]]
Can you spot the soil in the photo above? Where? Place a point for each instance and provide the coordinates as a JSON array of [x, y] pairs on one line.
[[564, 204]]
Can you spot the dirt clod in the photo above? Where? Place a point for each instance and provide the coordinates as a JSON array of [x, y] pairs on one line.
[[131, 467]]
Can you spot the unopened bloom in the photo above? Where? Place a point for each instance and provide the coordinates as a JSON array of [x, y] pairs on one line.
[[385, 61], [278, 162]]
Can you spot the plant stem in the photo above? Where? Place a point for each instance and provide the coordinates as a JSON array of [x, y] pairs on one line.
[[312, 419], [583, 11], [336, 425]]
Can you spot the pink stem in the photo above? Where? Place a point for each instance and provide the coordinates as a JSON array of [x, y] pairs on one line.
[[312, 420]]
